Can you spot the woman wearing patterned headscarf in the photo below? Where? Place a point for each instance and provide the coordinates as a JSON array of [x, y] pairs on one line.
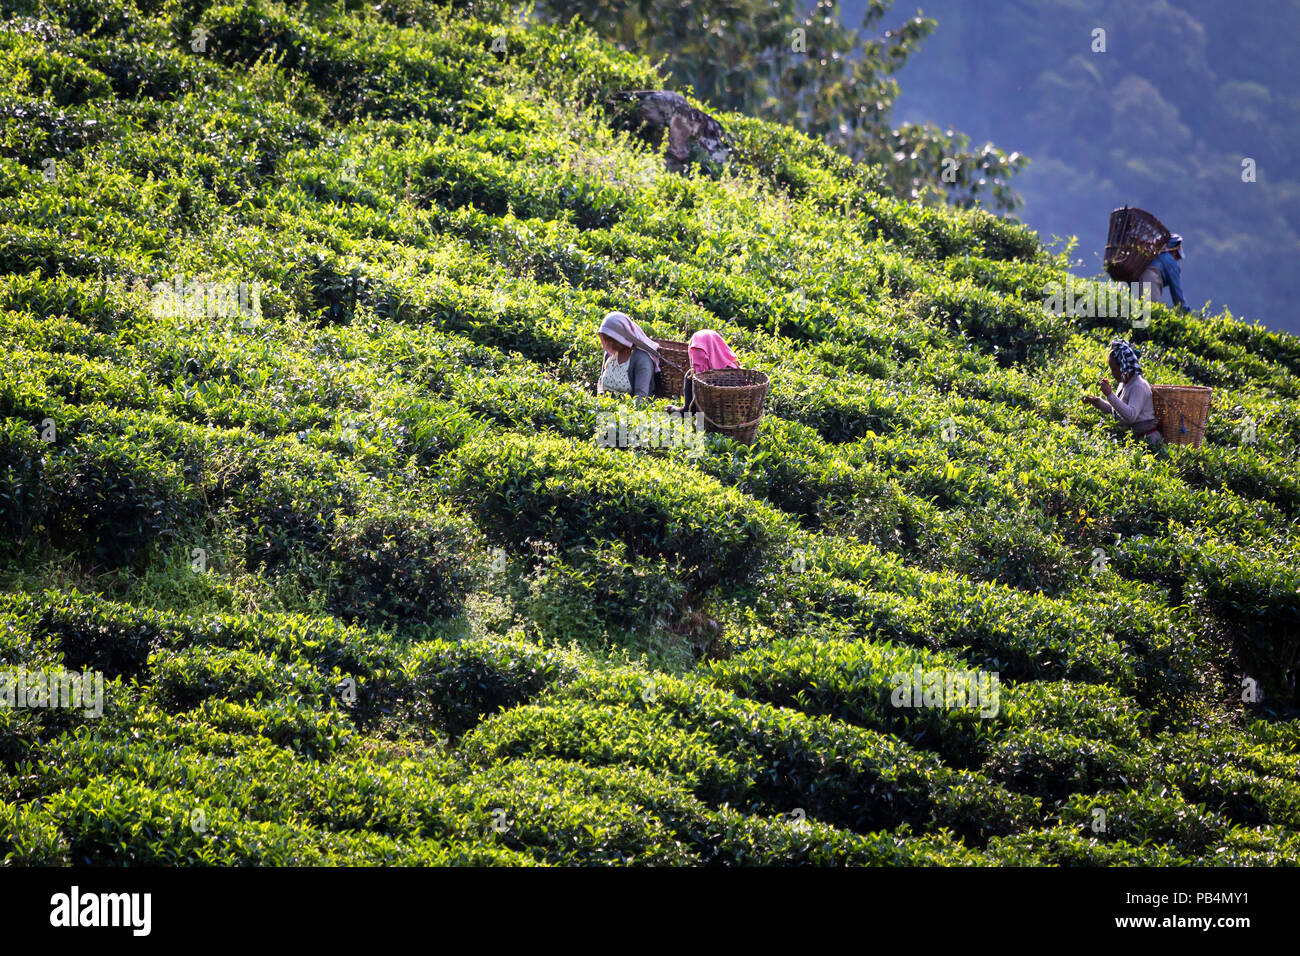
[[1131, 403]]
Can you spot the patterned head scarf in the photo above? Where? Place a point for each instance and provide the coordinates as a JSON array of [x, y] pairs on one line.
[[1127, 356], [619, 327]]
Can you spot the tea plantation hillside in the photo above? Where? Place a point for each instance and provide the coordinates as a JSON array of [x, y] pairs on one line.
[[366, 589]]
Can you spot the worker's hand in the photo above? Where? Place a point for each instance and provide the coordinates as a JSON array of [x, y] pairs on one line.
[[1104, 382], [1092, 400]]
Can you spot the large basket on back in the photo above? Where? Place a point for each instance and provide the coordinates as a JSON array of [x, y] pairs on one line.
[[1183, 411], [1135, 238], [674, 360], [732, 401]]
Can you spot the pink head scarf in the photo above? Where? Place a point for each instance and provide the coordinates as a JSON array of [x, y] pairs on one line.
[[708, 351], [623, 330]]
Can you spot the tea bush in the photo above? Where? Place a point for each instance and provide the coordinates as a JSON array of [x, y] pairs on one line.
[[545, 489], [842, 775], [365, 588], [118, 639], [184, 679], [591, 592], [1137, 816], [451, 686], [854, 681], [1066, 846], [398, 566], [23, 492], [604, 736], [1051, 764], [112, 501]]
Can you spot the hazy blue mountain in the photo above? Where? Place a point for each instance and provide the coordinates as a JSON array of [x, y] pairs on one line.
[[1163, 119]]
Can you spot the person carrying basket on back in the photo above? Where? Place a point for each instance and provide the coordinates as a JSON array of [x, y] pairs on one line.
[[1131, 403], [708, 351], [1165, 272]]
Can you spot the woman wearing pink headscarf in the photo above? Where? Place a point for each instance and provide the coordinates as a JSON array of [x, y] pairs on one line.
[[708, 351], [632, 358]]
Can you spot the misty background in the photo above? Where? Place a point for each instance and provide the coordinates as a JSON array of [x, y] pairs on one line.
[[1163, 119]]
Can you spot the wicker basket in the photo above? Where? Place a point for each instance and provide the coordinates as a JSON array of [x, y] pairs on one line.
[[1135, 238], [673, 363], [1183, 411], [732, 401], [674, 360]]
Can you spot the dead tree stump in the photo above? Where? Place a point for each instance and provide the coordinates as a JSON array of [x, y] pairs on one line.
[[693, 135]]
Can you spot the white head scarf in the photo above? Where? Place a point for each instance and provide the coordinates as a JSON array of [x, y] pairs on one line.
[[624, 331]]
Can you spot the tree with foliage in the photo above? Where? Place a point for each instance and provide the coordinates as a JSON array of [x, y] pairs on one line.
[[783, 61]]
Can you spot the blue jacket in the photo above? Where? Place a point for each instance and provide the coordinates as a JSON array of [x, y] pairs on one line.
[[1172, 276]]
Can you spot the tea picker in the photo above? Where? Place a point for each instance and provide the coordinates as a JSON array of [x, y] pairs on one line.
[[1174, 414], [1139, 248], [631, 357], [708, 351], [705, 373], [1164, 272], [1131, 403]]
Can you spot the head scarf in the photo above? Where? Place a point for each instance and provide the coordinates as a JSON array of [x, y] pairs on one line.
[[1175, 245], [1127, 357], [624, 331], [708, 351]]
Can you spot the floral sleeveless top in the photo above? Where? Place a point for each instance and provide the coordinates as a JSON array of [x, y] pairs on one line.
[[615, 376]]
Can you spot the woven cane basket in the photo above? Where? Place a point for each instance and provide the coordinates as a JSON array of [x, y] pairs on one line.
[[1135, 238], [674, 360], [732, 401], [1183, 411]]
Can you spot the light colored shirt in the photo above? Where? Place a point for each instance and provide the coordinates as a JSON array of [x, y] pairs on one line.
[[633, 377], [1132, 404], [1152, 283]]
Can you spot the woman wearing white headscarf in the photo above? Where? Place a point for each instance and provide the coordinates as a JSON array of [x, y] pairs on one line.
[[632, 358], [1131, 403]]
